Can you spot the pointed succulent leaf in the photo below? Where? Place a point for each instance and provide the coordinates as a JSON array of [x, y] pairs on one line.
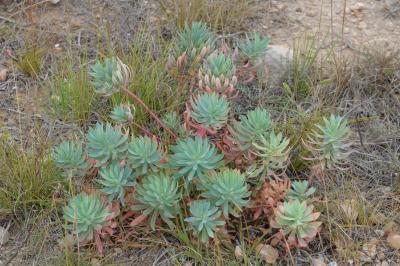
[[158, 196], [219, 66], [86, 214], [194, 38], [300, 191], [109, 75], [272, 152], [101, 74], [70, 157], [251, 126], [298, 221], [106, 144], [330, 144], [210, 110], [226, 189], [121, 114], [115, 179], [204, 219], [193, 157], [144, 155], [172, 121], [255, 47]]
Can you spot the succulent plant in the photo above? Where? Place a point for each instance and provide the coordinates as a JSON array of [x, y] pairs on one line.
[[70, 157], [300, 191], [121, 73], [193, 157], [246, 132], [122, 114], [273, 153], [218, 73], [227, 189], [143, 154], [102, 76], [210, 110], [268, 197], [297, 220], [158, 195], [330, 145], [254, 47], [109, 75], [87, 215], [204, 219], [172, 121], [106, 144], [219, 66], [194, 41], [115, 179]]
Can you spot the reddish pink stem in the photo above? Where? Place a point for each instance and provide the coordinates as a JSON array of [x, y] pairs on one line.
[[147, 109]]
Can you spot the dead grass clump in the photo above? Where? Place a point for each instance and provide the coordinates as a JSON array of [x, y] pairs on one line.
[[30, 61], [220, 15]]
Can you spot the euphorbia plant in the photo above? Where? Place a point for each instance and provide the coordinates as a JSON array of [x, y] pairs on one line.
[[205, 170]]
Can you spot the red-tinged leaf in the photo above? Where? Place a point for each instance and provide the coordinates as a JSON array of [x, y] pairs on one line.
[[202, 132], [257, 213], [128, 214], [138, 220], [99, 243]]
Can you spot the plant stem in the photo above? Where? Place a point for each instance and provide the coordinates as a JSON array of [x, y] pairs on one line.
[[151, 113]]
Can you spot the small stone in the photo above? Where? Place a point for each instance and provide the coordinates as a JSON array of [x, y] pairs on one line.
[[299, 9], [357, 6], [54, 2], [238, 253], [118, 250], [318, 261], [268, 253], [278, 58], [358, 10], [311, 13], [394, 240], [3, 74], [362, 25], [346, 30], [388, 228], [4, 236]]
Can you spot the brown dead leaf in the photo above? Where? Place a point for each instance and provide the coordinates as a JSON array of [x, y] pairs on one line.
[[3, 74], [388, 228], [268, 253], [394, 240]]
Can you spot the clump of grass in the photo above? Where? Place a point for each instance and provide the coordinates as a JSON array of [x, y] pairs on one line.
[[150, 83], [28, 176], [302, 73], [220, 15], [30, 61], [71, 93]]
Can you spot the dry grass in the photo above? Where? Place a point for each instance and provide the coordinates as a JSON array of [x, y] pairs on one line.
[[220, 15]]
